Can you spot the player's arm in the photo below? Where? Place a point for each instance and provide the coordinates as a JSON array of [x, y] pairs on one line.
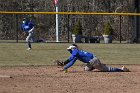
[[71, 60], [70, 63], [31, 29], [31, 26], [66, 61], [25, 27]]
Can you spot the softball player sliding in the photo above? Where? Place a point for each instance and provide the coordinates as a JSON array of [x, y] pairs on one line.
[[28, 27], [92, 62]]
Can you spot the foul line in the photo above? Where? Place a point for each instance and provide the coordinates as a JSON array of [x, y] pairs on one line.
[[5, 76]]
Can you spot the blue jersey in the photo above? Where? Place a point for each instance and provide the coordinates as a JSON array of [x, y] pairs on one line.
[[27, 26], [31, 25], [81, 55]]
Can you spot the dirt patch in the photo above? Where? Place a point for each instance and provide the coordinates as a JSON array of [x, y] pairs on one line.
[[49, 79]]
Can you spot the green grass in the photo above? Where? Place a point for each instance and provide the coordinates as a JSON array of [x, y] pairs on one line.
[[15, 54]]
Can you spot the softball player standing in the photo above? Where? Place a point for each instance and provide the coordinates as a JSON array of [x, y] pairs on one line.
[[28, 27]]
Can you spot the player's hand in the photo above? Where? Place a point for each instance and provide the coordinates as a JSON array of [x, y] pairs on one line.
[[64, 70]]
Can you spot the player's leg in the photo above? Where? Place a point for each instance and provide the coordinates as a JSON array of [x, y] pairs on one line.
[[88, 67], [96, 63], [104, 68], [28, 41], [33, 37], [113, 69]]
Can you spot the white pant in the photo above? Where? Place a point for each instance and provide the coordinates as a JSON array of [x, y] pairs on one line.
[[30, 35], [95, 63]]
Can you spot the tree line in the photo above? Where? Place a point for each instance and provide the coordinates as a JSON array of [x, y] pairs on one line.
[[92, 25]]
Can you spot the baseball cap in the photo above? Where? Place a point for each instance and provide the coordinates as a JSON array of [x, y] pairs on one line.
[[70, 47]]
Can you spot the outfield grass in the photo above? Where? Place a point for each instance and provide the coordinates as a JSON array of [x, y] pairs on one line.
[[15, 54]]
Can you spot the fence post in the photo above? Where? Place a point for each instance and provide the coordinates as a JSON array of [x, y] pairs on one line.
[[120, 29], [16, 28], [68, 28], [137, 20]]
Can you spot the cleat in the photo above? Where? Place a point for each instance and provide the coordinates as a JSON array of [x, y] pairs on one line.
[[29, 48], [125, 69]]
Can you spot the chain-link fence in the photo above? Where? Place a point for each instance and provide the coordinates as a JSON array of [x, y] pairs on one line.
[[92, 25]]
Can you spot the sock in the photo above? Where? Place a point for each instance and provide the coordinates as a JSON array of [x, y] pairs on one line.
[[111, 69]]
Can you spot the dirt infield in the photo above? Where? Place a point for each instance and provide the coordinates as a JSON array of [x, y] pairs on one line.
[[49, 79]]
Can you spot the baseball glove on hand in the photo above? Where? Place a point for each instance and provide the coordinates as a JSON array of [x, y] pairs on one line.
[[59, 63]]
